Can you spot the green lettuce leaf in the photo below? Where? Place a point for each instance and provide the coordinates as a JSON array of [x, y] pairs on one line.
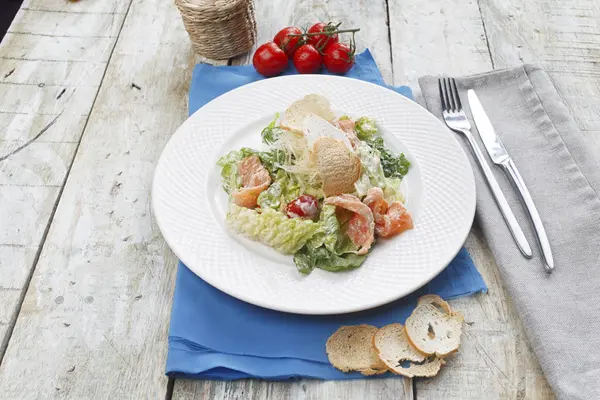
[[329, 229], [393, 166], [285, 188], [373, 174], [272, 228], [272, 160], [229, 168], [330, 248], [365, 128], [272, 132], [307, 259]]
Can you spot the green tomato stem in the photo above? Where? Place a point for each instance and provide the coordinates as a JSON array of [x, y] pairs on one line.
[[324, 33]]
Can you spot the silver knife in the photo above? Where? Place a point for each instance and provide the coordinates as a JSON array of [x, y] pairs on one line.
[[499, 156]]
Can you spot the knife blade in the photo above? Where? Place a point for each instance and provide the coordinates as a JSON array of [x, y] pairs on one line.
[[500, 156]]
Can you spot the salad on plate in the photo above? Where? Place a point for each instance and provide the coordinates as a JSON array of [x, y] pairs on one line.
[[324, 189]]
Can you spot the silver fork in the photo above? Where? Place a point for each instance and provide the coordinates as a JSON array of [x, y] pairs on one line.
[[456, 119]]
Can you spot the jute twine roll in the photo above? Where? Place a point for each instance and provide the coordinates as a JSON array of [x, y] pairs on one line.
[[219, 29]]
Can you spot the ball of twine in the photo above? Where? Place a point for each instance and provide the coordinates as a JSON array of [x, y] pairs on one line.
[[219, 29]]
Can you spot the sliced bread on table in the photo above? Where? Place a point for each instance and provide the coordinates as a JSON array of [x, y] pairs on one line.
[[350, 348], [400, 356], [432, 330]]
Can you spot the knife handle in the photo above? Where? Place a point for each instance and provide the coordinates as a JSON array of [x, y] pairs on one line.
[[505, 210], [511, 169]]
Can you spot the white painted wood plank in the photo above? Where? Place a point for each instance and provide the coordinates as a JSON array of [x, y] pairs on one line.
[[58, 48], [66, 24], [433, 37], [564, 37], [43, 79], [24, 127], [372, 389], [96, 312], [32, 99], [50, 73], [84, 6], [39, 164], [494, 360], [24, 215]]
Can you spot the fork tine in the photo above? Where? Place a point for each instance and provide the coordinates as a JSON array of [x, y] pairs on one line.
[[449, 97], [443, 96], [455, 94]]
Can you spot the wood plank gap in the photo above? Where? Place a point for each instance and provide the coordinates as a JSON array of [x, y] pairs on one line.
[[19, 185], [389, 29], [44, 85], [170, 387], [487, 39], [36, 115], [42, 59], [41, 141], [15, 316], [71, 12], [66, 36], [413, 382]]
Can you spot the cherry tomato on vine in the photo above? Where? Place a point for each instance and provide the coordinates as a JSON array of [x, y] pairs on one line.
[[269, 59], [307, 59], [289, 44], [322, 41], [338, 58]]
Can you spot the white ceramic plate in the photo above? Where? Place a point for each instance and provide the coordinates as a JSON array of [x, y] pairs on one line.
[[190, 204]]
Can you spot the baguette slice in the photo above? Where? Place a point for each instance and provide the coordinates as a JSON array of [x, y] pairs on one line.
[[434, 332], [393, 347], [350, 348], [425, 370], [437, 301], [394, 350], [312, 104]]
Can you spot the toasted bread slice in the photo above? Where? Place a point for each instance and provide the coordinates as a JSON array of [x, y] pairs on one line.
[[436, 301], [432, 331], [393, 347], [425, 370], [350, 348], [338, 167], [312, 104], [315, 127]]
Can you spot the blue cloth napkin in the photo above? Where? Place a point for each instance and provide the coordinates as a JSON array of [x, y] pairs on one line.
[[215, 336]]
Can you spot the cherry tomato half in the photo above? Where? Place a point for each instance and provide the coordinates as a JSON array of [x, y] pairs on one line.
[[338, 58], [322, 41], [307, 59], [305, 206], [269, 60], [289, 44]]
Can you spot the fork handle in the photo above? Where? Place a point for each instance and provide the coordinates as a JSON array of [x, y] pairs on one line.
[[505, 210], [511, 169]]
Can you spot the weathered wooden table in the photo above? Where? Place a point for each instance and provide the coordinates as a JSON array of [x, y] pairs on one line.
[[90, 93]]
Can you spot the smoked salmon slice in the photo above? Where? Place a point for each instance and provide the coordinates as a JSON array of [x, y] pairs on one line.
[[361, 227], [389, 219], [255, 180]]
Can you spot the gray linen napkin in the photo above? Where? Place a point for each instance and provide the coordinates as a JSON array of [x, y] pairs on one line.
[[560, 312]]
